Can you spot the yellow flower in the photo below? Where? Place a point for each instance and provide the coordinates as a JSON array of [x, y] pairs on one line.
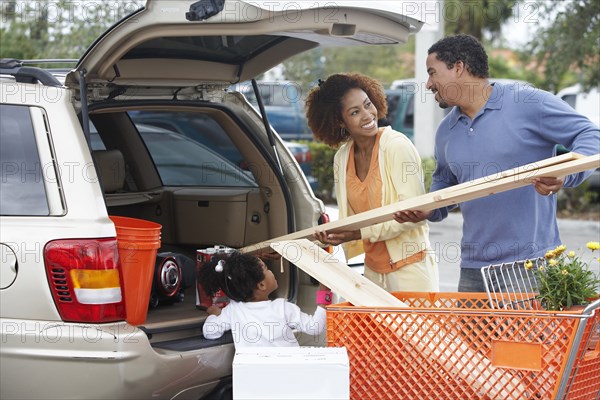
[[564, 279], [528, 264], [559, 250], [593, 246]]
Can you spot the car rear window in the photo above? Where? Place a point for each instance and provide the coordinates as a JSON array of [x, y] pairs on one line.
[[22, 190], [226, 49]]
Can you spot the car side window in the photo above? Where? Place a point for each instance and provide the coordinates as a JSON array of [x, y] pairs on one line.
[[22, 190], [191, 149]]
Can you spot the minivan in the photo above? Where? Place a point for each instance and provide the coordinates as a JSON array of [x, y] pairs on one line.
[[75, 153]]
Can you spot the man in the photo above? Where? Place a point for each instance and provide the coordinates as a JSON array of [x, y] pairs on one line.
[[492, 128]]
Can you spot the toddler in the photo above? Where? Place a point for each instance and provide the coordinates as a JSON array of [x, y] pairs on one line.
[[254, 319]]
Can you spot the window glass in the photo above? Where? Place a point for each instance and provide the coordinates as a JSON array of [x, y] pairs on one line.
[[191, 149], [393, 103], [409, 119], [96, 142], [22, 190], [225, 49]]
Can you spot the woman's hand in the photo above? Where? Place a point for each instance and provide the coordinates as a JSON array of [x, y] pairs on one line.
[[336, 238], [411, 216]]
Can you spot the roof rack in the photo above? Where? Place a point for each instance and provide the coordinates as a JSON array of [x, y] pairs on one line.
[[50, 61], [22, 74]]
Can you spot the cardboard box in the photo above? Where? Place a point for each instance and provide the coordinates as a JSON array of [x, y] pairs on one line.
[[291, 373]]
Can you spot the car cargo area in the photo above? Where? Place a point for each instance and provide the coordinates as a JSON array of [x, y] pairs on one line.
[[195, 171]]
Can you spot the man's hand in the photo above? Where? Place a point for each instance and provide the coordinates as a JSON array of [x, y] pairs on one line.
[[547, 186], [411, 216]]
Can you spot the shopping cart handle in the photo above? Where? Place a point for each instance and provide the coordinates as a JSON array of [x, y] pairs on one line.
[[591, 307]]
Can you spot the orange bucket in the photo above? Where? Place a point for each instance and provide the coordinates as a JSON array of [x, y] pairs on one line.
[[138, 241]]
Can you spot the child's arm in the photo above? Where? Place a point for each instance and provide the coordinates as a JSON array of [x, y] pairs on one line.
[[311, 324], [217, 323], [214, 310]]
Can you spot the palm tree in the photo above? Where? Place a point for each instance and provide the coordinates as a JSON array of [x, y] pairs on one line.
[[476, 17]]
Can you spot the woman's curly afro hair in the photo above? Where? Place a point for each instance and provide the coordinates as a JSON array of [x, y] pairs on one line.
[[324, 104]]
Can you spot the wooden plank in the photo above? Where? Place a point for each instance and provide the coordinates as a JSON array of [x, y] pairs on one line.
[[511, 179], [456, 357], [523, 178], [336, 275], [515, 171]]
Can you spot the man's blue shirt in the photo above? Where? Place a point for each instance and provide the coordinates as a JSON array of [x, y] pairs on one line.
[[517, 126]]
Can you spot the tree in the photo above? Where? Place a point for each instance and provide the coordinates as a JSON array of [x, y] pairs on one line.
[[477, 17], [385, 63], [571, 44], [56, 29]]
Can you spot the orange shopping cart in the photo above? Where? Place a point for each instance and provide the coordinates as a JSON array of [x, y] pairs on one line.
[[464, 346]]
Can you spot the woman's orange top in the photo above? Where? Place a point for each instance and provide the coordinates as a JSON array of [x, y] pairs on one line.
[[364, 196]]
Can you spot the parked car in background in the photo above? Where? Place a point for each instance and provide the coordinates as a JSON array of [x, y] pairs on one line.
[[284, 106], [585, 103], [289, 122], [63, 316], [401, 108], [588, 104], [302, 154], [401, 102]]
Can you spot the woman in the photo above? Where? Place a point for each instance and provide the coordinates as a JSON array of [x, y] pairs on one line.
[[373, 167]]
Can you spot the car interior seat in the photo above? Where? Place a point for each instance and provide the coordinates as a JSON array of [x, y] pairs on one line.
[[110, 165]]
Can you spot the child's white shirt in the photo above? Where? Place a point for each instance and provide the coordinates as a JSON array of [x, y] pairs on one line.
[[264, 323]]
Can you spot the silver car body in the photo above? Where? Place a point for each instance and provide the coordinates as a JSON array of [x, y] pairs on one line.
[[41, 355]]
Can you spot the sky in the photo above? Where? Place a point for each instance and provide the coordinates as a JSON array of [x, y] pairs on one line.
[[522, 25]]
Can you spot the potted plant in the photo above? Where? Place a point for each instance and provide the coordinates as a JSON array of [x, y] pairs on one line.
[[565, 280]]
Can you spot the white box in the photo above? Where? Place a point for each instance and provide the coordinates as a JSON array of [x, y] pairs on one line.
[[291, 373]]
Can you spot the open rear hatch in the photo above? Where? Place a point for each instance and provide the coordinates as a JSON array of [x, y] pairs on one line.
[[159, 46]]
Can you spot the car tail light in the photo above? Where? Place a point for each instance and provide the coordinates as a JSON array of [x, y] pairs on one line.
[[85, 279], [324, 218], [303, 156], [307, 156]]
